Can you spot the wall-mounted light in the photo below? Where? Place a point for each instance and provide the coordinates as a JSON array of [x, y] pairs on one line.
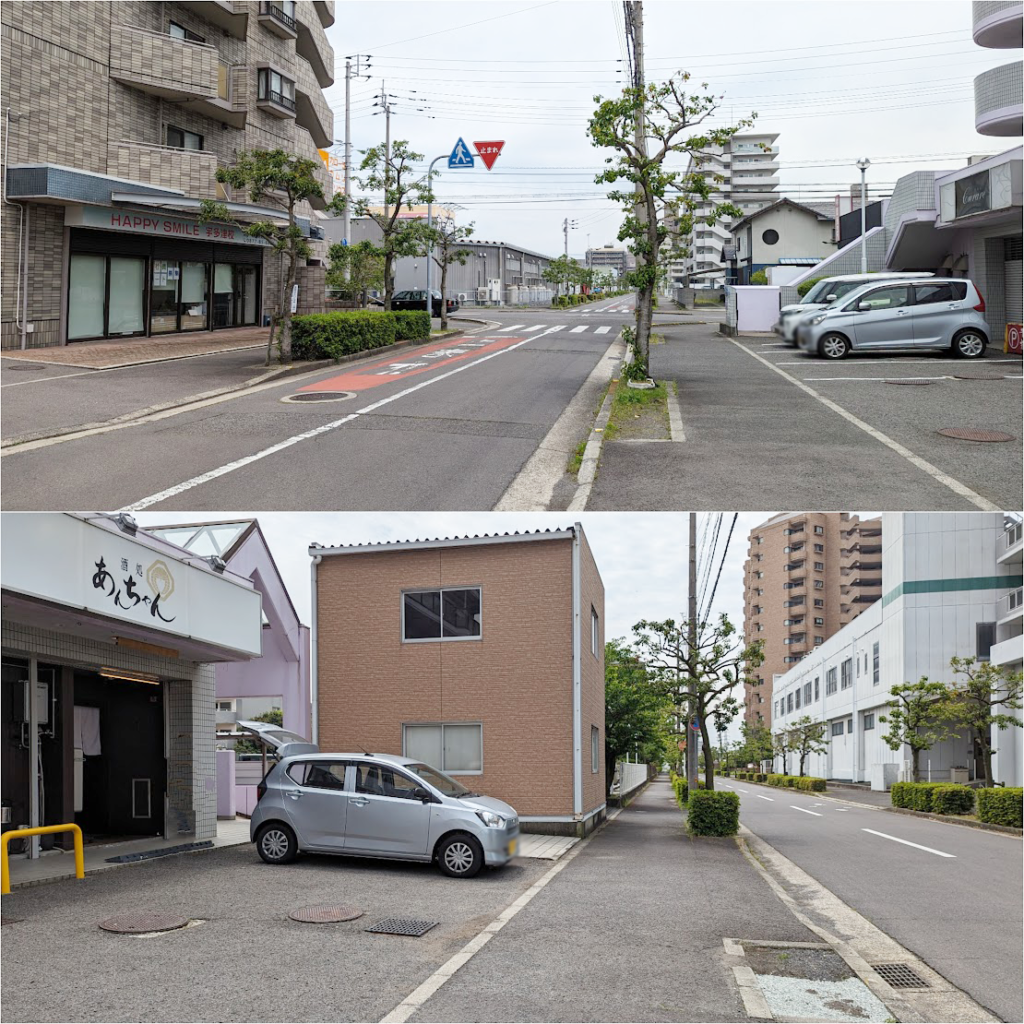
[[127, 523], [128, 675], [217, 563]]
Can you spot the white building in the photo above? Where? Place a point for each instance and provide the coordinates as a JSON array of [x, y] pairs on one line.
[[951, 585], [749, 167]]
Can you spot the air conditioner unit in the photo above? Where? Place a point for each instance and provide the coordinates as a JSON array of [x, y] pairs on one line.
[[481, 295], [462, 296]]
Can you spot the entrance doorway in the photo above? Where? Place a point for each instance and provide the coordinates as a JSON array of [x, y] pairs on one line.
[[235, 295]]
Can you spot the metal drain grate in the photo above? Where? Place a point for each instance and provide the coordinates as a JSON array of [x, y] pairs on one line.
[[319, 396], [912, 383], [977, 376], [900, 976], [402, 926], [143, 921], [969, 434], [325, 913], [130, 858]]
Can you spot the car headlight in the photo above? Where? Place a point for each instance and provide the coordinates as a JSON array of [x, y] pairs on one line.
[[490, 819], [815, 320]]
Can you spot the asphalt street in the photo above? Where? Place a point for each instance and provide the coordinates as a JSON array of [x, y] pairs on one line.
[[443, 426], [767, 426], [950, 894]]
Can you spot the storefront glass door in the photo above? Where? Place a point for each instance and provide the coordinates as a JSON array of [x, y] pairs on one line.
[[246, 288], [126, 313], [223, 295], [193, 300], [163, 302], [86, 296]]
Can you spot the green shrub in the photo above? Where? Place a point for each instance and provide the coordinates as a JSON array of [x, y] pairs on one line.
[[809, 783], [332, 335], [760, 777], [803, 289], [713, 813], [411, 324], [917, 796], [680, 787], [775, 779], [952, 799], [1000, 806], [759, 277], [789, 781]]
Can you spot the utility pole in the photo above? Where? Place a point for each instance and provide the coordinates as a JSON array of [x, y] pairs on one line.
[[636, 25], [385, 106], [691, 686], [347, 217], [566, 225]]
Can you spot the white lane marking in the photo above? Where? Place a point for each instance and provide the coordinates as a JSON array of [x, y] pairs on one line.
[[675, 418], [842, 809], [804, 809], [551, 330], [933, 471], [59, 376], [879, 378], [907, 842], [514, 327], [771, 799], [578, 330], [602, 330], [738, 790], [325, 428], [535, 327], [887, 362], [412, 1002]]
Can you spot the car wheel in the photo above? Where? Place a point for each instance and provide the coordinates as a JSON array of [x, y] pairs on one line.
[[460, 856], [276, 843], [833, 346], [969, 344]]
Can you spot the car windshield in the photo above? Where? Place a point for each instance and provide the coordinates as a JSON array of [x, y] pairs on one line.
[[441, 782], [818, 292]]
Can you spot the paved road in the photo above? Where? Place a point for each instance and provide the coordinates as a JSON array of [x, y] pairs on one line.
[[443, 426], [961, 913], [769, 427]]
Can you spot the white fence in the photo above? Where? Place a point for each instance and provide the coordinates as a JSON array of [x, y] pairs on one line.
[[628, 776]]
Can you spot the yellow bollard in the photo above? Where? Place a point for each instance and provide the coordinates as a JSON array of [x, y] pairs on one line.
[[18, 833]]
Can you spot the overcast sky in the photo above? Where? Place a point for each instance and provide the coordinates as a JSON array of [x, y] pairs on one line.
[[890, 80]]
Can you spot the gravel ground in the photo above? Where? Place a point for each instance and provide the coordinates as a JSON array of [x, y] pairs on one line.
[[799, 999]]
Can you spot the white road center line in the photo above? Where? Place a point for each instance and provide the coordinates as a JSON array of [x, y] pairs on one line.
[[602, 330], [230, 467], [578, 330], [907, 842], [738, 790], [514, 327], [804, 809], [771, 799], [933, 471]]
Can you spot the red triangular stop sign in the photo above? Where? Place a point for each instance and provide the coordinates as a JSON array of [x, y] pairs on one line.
[[489, 151]]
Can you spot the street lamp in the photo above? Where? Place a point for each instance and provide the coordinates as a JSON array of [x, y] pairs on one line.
[[430, 218], [863, 163]]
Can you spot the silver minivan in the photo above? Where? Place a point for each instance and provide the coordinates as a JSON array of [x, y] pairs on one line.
[[374, 805], [941, 313]]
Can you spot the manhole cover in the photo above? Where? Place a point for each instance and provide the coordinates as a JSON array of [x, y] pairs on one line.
[[912, 383], [402, 926], [325, 913], [900, 976], [969, 434], [319, 396], [143, 921], [978, 376]]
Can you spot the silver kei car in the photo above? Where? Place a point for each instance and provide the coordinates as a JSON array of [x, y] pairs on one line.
[[374, 805], [941, 313]]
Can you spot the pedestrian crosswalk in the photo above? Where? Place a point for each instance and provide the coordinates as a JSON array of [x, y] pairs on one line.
[[514, 327], [602, 330], [552, 330]]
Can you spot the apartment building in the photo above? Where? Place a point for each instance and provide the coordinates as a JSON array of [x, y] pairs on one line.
[[610, 257], [748, 165], [118, 116], [805, 577], [482, 656], [951, 585]]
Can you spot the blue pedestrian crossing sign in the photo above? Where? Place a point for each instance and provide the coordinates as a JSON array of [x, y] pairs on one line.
[[461, 156]]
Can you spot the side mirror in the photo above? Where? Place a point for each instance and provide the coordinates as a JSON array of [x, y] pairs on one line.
[[831, 298], [422, 794]]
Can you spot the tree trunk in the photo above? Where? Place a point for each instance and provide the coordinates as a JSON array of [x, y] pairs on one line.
[[283, 307], [785, 763], [284, 343], [986, 755], [389, 280], [444, 285], [709, 756], [803, 760], [915, 758]]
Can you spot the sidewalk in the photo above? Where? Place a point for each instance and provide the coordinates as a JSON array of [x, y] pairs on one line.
[[632, 930]]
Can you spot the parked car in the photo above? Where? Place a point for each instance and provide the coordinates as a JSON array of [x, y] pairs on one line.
[[418, 300], [827, 291], [937, 313], [374, 805]]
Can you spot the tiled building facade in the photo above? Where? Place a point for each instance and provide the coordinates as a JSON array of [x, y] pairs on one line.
[[118, 115], [806, 576]]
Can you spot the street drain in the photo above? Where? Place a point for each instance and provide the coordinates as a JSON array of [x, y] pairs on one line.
[[912, 383], [302, 397], [402, 926], [978, 376], [900, 976], [969, 434], [325, 913], [131, 858], [139, 922]]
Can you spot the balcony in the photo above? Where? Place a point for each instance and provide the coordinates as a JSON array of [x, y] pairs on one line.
[[325, 12], [312, 110], [313, 45], [160, 65], [997, 24], [1011, 547], [275, 93], [231, 104], [277, 20], [999, 101], [232, 18], [794, 566], [192, 171]]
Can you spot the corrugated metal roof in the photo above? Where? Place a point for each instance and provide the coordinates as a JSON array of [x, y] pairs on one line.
[[438, 542]]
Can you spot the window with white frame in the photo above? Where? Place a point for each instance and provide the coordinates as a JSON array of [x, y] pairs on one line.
[[869, 722], [876, 665], [453, 747], [444, 614], [831, 684], [819, 584], [846, 674], [837, 728], [595, 633], [595, 748], [818, 620]]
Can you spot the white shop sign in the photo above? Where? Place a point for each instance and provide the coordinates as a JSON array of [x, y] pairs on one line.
[[141, 222], [69, 561]]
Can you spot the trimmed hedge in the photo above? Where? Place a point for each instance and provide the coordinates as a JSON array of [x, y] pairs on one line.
[[332, 335], [1001, 806], [411, 324], [680, 787], [806, 782], [713, 813], [935, 797]]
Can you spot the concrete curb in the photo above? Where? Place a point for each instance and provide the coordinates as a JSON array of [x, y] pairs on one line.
[[276, 373]]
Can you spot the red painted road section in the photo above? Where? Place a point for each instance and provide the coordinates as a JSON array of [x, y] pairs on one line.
[[412, 363]]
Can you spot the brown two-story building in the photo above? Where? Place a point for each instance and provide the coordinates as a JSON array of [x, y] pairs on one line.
[[483, 656]]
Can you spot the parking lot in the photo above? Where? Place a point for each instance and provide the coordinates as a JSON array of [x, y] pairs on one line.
[[246, 960]]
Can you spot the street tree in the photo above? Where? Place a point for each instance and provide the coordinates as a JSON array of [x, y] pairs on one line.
[[757, 742], [645, 127], [711, 659], [391, 174], [273, 178], [562, 271], [807, 737], [445, 239], [355, 269], [981, 699], [782, 746], [917, 717], [637, 711]]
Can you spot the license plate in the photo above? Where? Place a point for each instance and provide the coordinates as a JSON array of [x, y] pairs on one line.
[[512, 846]]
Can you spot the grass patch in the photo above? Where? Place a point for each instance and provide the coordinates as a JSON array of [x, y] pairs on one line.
[[576, 459], [639, 413]]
